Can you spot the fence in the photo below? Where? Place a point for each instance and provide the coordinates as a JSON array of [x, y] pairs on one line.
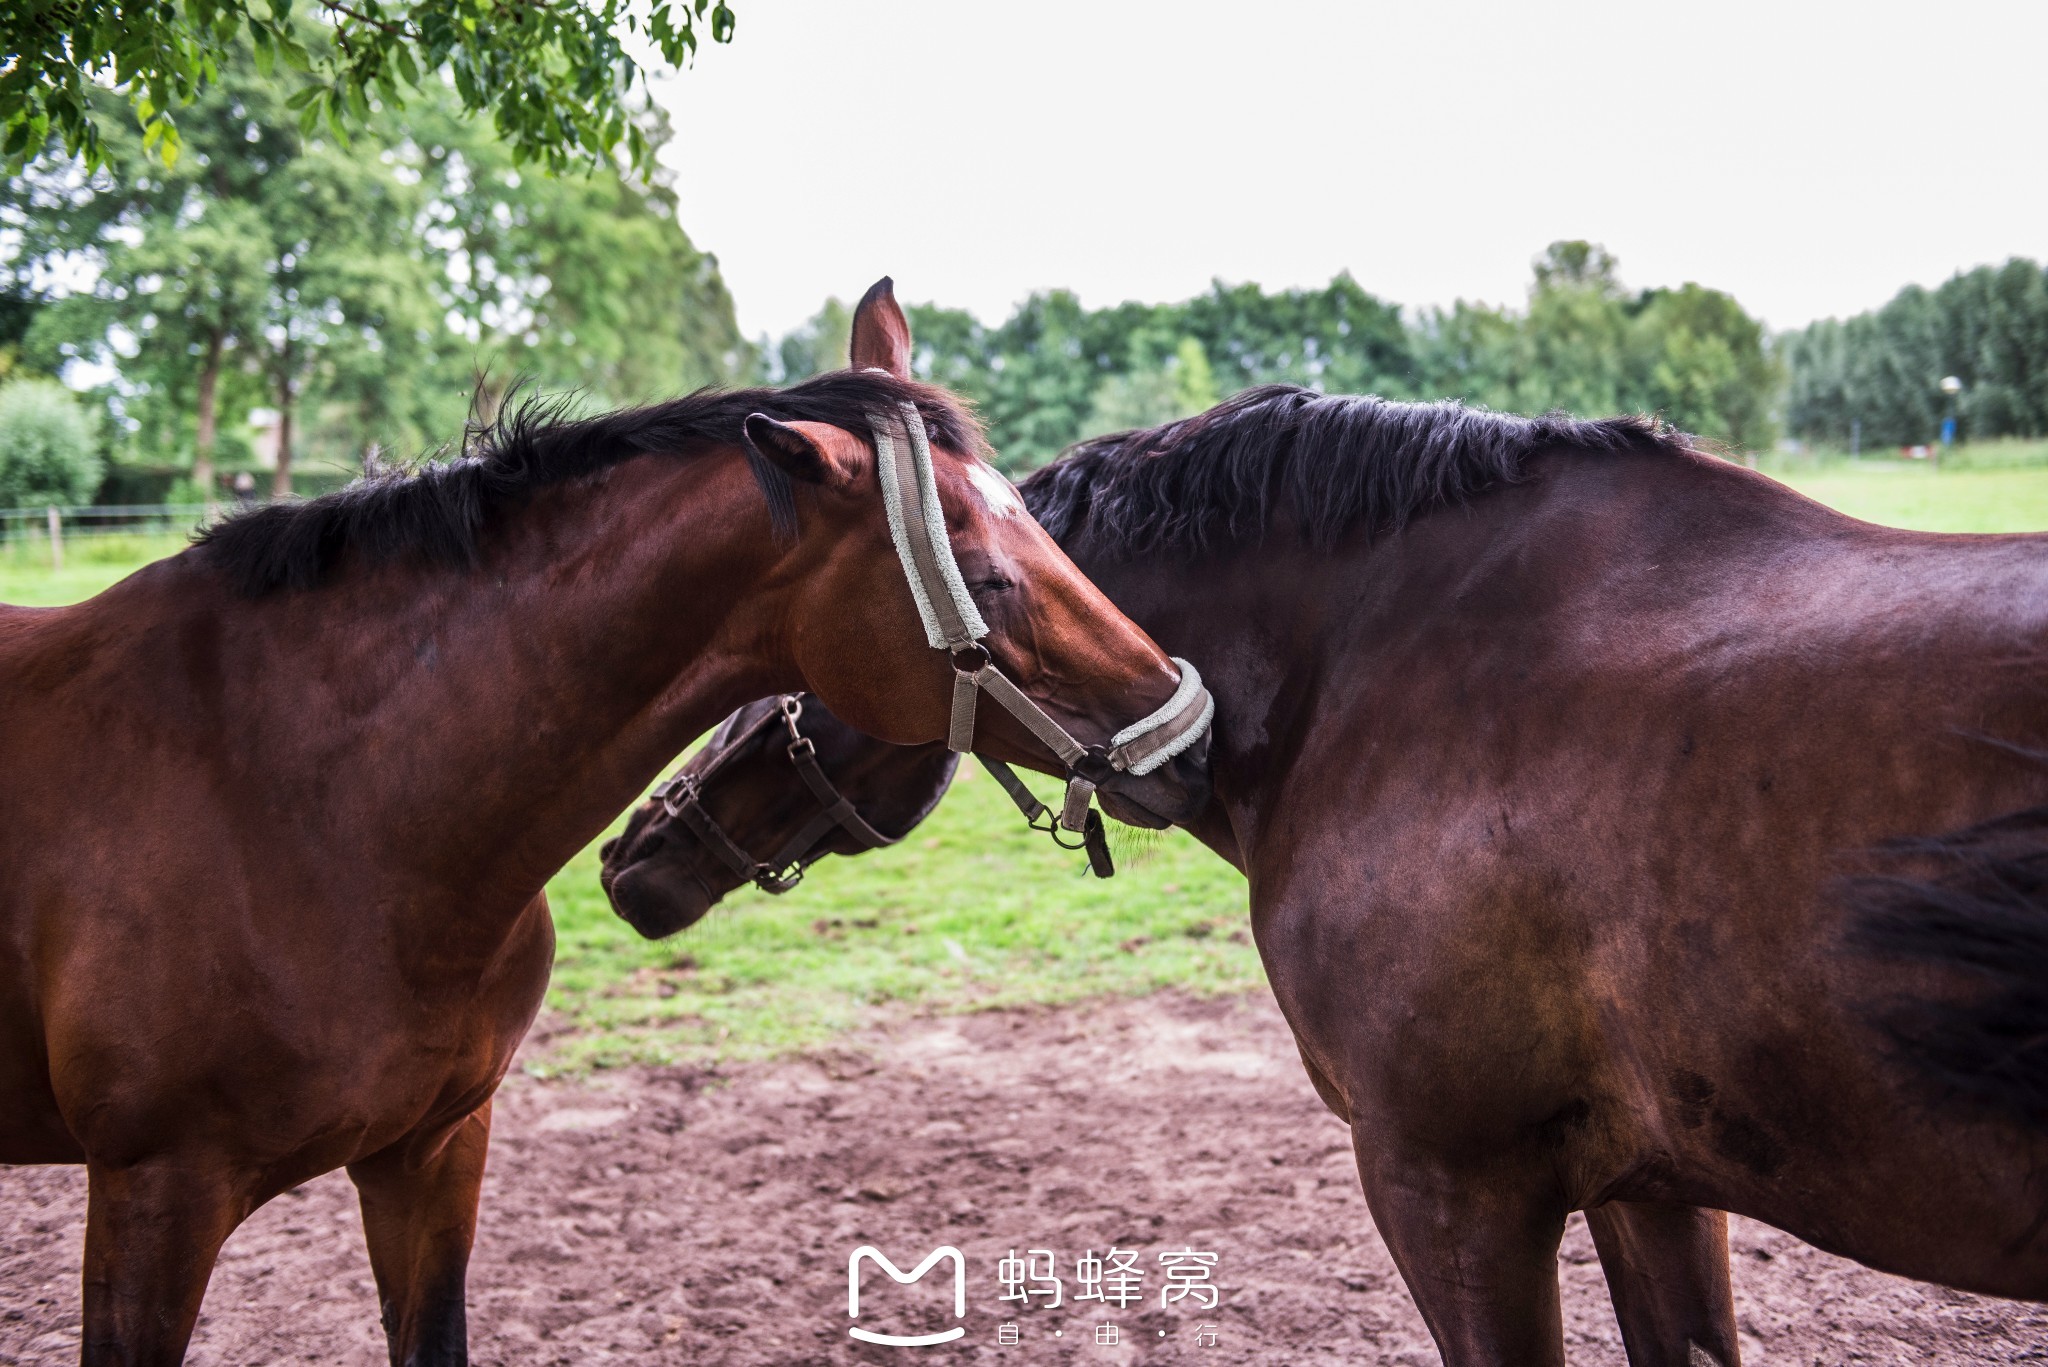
[[54, 526]]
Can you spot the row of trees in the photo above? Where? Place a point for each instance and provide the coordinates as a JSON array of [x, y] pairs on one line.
[[1055, 371], [1876, 378], [353, 289], [364, 295]]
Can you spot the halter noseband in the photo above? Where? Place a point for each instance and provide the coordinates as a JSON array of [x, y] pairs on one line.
[[952, 623], [682, 796]]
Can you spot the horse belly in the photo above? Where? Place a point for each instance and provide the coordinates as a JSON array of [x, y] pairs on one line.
[[32, 1130]]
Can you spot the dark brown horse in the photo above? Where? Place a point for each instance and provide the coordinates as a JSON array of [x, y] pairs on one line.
[[277, 811], [1585, 786]]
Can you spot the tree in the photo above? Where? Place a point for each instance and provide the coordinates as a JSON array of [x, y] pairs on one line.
[[1586, 346], [1041, 384], [1698, 361], [1152, 393], [298, 259], [1575, 335], [1878, 374], [1054, 372], [820, 344], [1471, 352], [574, 282], [211, 281], [1338, 338], [47, 451], [363, 292], [556, 76]]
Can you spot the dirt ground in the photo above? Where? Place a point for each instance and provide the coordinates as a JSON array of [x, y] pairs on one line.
[[675, 1216]]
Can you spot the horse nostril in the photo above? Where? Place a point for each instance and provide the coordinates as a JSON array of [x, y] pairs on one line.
[[604, 851]]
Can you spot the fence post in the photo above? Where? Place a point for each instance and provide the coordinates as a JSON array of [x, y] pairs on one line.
[[56, 538]]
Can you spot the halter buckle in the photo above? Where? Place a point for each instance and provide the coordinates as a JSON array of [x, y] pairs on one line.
[[678, 793]]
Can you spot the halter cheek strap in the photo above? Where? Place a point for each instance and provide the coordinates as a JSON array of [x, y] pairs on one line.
[[682, 797], [952, 623]]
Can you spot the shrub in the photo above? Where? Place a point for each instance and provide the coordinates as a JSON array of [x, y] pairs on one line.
[[47, 451]]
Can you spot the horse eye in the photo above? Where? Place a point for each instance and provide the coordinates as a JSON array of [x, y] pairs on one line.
[[997, 584]]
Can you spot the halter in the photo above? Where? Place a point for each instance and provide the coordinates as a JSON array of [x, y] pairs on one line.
[[952, 623], [682, 796]]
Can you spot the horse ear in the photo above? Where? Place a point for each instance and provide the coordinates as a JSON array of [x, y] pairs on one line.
[[808, 452], [881, 334]]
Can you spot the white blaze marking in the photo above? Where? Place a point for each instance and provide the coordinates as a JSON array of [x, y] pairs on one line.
[[997, 493]]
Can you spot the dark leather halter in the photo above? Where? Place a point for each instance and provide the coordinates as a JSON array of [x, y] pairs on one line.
[[682, 797]]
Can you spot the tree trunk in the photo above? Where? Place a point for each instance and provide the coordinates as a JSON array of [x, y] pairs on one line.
[[209, 385], [281, 482]]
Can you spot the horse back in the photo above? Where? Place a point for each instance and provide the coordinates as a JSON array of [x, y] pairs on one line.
[[1607, 750]]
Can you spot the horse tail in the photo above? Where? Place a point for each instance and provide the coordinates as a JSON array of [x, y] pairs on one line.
[[1973, 905]]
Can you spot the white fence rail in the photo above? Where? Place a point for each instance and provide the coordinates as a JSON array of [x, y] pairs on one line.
[[51, 527], [107, 519]]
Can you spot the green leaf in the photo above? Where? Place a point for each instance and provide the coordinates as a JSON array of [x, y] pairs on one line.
[[555, 76], [401, 58], [294, 53]]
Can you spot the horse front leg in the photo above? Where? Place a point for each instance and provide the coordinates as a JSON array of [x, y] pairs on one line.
[[1479, 1254], [1667, 1273], [152, 1233], [419, 1200]]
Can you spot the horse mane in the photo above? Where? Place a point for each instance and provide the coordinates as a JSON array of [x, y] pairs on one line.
[[438, 510], [1334, 461]]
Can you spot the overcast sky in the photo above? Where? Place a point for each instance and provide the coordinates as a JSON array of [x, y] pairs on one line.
[[1807, 157]]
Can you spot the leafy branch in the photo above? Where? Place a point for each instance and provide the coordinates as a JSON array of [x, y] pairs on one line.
[[555, 76]]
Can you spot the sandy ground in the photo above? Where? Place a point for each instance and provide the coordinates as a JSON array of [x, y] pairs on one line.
[[673, 1216]]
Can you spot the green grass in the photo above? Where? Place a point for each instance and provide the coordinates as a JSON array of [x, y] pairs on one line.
[[1965, 500], [973, 911], [90, 564]]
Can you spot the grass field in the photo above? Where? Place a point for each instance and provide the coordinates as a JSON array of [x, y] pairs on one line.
[[1935, 501], [973, 910], [90, 564]]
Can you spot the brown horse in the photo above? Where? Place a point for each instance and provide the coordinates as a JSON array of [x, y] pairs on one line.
[[1583, 783], [278, 811]]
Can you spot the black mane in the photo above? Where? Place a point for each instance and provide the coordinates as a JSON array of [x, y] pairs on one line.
[[1334, 461], [438, 511]]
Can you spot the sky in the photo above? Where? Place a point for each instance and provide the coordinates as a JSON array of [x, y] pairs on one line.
[[1808, 158]]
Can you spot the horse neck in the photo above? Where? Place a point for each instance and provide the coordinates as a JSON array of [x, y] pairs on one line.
[[1259, 639], [1286, 635], [473, 729]]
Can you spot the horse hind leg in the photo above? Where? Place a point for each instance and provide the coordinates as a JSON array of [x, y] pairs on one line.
[[419, 1200], [1479, 1255], [152, 1233], [1667, 1273]]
